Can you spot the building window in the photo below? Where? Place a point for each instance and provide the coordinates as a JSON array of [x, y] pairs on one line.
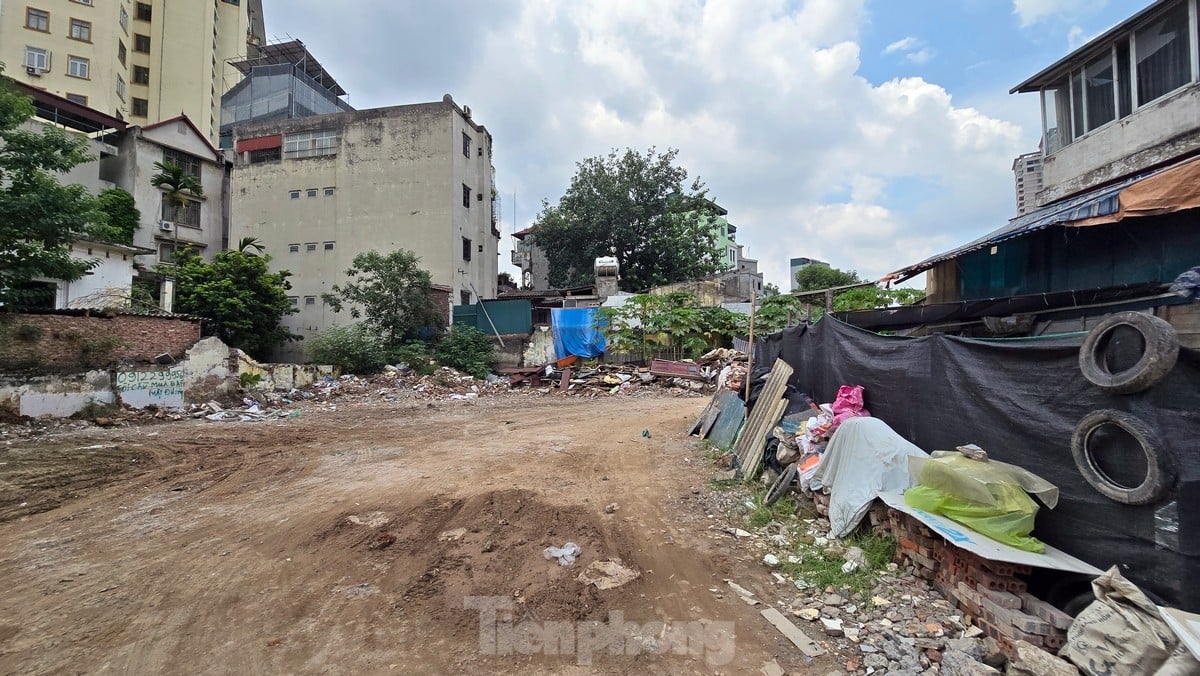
[[166, 252], [310, 247], [141, 75], [466, 196], [120, 87], [293, 248], [310, 300], [81, 30], [466, 249], [121, 52], [466, 145], [124, 21], [141, 107], [329, 246], [1099, 93], [141, 43], [189, 163], [37, 19], [83, 2], [1163, 55], [464, 297], [143, 12], [310, 144], [294, 194], [188, 214], [312, 192], [266, 155], [330, 191], [77, 98], [294, 299], [77, 66], [37, 58]]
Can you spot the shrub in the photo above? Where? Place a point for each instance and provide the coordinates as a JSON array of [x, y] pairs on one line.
[[416, 355], [467, 349], [354, 349]]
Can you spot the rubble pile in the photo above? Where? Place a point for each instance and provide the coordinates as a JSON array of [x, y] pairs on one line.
[[680, 378]]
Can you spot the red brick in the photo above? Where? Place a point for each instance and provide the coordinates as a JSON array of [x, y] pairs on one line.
[[1039, 608], [1002, 598]]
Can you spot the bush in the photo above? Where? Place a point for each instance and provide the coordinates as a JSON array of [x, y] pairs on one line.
[[467, 349], [354, 349], [416, 355]]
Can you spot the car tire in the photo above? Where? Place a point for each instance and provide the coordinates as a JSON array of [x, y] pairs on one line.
[[1157, 360], [1160, 475]]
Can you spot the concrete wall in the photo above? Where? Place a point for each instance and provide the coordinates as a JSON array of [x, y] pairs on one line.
[[395, 182], [1165, 129], [52, 343], [107, 285], [54, 395]]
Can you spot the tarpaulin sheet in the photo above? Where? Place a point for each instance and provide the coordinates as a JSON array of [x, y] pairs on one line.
[[1172, 190], [577, 332], [1021, 400]]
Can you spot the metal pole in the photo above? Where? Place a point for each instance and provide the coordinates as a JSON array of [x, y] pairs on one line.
[[750, 356], [485, 312]]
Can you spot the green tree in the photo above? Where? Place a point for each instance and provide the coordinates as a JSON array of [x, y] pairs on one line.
[[39, 216], [818, 277], [241, 299], [176, 184], [121, 216], [467, 349], [392, 294], [632, 206], [649, 323], [776, 313]]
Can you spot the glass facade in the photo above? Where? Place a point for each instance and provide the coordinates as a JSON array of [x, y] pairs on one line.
[[276, 92]]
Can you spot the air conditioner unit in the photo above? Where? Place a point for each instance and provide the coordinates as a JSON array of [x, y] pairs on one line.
[[33, 70], [166, 226]]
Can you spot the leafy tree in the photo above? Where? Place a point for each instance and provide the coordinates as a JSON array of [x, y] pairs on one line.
[[871, 297], [818, 277], [176, 183], [632, 206], [39, 217], [121, 216], [241, 299], [776, 313], [391, 293], [769, 290], [355, 349], [250, 243], [505, 280], [674, 322]]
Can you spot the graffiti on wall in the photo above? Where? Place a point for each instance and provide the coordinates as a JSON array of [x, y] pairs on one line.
[[145, 388]]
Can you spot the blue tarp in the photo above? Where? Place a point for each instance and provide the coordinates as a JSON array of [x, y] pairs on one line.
[[577, 331]]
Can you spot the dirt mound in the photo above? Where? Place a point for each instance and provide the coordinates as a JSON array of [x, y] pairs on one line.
[[438, 553]]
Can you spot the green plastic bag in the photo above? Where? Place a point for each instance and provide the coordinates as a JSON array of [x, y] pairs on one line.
[[984, 496]]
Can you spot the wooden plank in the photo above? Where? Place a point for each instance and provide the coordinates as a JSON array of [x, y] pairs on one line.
[[564, 383], [752, 466], [757, 426], [798, 638]]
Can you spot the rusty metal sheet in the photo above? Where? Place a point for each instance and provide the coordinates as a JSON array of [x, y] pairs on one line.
[[676, 369]]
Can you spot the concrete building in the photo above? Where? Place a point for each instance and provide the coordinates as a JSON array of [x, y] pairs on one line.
[[165, 228], [317, 191], [282, 82], [797, 264], [531, 259], [1027, 180], [143, 61], [1125, 102]]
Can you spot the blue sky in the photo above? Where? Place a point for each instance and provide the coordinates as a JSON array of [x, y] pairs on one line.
[[868, 133]]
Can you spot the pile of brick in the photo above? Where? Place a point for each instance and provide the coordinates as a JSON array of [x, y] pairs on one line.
[[993, 593]]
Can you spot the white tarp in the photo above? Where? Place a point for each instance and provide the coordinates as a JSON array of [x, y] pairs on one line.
[[961, 536], [863, 457]]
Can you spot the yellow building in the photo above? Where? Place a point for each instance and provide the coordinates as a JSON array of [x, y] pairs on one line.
[[143, 62]]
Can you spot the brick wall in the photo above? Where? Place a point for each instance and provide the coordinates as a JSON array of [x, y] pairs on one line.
[[69, 340]]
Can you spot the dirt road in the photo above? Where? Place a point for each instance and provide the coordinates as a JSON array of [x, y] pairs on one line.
[[373, 539]]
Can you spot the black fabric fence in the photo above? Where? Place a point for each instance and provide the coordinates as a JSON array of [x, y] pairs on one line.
[[1021, 400]]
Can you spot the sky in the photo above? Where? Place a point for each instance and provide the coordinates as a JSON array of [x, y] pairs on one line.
[[867, 133]]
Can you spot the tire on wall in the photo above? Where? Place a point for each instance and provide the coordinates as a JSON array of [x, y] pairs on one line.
[[1160, 474], [1161, 350]]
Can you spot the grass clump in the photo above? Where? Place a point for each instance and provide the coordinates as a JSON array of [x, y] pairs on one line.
[[822, 569]]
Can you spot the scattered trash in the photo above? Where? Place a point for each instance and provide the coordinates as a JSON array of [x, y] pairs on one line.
[[646, 433], [565, 554], [457, 534], [770, 560], [608, 574], [745, 594], [611, 507]]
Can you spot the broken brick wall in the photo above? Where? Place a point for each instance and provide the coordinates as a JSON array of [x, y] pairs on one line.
[[61, 341]]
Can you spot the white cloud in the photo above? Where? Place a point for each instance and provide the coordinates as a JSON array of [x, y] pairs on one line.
[[913, 49], [761, 97], [1077, 37], [1033, 11]]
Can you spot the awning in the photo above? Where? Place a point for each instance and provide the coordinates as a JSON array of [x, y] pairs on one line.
[[1158, 191]]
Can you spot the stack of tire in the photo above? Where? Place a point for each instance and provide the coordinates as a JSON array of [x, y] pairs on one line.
[[1158, 357]]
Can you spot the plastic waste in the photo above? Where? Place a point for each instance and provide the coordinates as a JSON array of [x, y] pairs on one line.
[[565, 554]]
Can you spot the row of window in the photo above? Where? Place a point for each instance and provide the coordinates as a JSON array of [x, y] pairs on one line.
[[1138, 68], [39, 20], [309, 247], [308, 300], [312, 192]]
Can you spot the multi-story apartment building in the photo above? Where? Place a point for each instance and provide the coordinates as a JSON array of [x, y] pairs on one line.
[[140, 61], [1027, 180], [317, 191]]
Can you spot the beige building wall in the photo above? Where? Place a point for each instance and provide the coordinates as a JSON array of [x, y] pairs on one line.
[[189, 45], [394, 180]]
